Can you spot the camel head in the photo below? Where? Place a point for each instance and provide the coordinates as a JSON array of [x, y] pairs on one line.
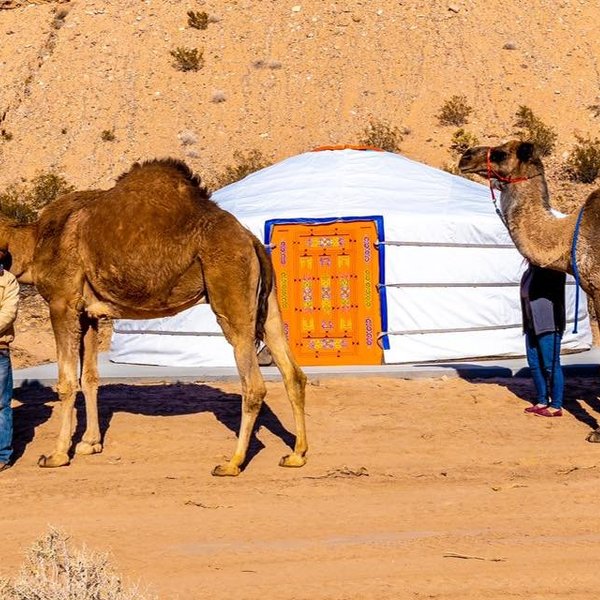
[[514, 160]]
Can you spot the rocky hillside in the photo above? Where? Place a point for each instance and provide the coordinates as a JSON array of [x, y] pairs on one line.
[[90, 86]]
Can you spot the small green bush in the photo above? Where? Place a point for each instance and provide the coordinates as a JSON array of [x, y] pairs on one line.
[[454, 111], [383, 135], [244, 164], [23, 201], [533, 129], [462, 140], [197, 19], [188, 59], [584, 162]]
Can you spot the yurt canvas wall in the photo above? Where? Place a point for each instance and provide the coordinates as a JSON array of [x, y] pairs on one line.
[[449, 272]]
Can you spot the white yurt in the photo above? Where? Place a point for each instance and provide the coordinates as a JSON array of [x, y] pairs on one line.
[[448, 274]]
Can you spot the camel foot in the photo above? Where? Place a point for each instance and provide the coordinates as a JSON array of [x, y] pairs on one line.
[[292, 460], [594, 436], [86, 448], [227, 470], [56, 459]]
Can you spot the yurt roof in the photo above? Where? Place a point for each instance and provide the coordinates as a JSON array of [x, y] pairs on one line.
[[346, 182]]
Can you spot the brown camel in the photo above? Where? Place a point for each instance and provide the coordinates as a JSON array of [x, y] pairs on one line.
[[544, 239], [151, 246]]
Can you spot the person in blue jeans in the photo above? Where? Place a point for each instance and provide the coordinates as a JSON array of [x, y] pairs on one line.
[[9, 302], [543, 307]]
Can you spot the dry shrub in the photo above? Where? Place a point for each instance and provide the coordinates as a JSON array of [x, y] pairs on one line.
[[455, 111], [188, 59], [23, 201], [187, 137], [197, 19], [53, 570], [218, 96], [383, 135], [108, 135], [462, 140], [244, 164], [594, 109], [533, 129], [59, 17], [584, 162]]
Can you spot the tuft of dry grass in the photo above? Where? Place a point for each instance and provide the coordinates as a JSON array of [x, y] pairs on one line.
[[218, 96], [187, 137], [54, 570]]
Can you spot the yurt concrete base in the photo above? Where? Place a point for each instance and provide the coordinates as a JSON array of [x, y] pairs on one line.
[[578, 364]]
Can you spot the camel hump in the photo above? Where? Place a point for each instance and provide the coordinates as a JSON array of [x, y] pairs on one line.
[[163, 168]]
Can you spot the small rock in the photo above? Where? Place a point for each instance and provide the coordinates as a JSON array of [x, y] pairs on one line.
[[296, 8], [453, 8], [510, 46]]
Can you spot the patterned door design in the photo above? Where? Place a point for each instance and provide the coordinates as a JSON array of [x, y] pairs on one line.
[[327, 277]]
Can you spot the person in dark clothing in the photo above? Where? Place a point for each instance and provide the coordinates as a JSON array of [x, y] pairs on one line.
[[543, 307]]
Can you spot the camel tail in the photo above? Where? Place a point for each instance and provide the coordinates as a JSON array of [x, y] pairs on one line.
[[264, 288]]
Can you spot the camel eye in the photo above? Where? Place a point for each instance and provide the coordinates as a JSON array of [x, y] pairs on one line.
[[498, 156]]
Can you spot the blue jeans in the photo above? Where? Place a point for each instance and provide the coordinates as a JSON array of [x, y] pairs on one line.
[[543, 356], [6, 417]]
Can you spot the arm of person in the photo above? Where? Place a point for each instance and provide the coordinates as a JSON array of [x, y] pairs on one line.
[[9, 305]]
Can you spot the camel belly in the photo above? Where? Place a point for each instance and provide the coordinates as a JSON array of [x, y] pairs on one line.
[[98, 309], [113, 293]]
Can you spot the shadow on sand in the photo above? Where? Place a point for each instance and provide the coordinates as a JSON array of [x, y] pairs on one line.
[[149, 400], [582, 386]]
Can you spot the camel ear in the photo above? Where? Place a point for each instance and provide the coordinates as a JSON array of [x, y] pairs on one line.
[[525, 151]]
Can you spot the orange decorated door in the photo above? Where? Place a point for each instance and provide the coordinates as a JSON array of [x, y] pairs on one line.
[[327, 277]]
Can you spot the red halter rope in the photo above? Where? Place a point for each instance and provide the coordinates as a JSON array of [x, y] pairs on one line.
[[491, 174]]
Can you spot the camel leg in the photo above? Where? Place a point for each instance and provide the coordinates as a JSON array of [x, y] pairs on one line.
[[294, 380], [90, 442], [67, 333], [253, 391], [594, 436]]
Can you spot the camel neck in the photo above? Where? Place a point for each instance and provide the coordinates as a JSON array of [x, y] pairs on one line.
[[543, 238], [21, 245]]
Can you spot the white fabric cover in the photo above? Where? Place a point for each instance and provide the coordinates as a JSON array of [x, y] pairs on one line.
[[428, 316]]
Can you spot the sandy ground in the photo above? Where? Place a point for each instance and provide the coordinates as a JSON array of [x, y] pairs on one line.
[[413, 489]]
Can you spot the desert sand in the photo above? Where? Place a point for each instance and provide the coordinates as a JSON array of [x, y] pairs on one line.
[[413, 489]]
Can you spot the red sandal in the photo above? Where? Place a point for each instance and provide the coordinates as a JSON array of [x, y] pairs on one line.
[[544, 412], [534, 409]]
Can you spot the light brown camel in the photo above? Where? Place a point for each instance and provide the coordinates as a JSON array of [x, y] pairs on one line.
[[544, 239], [151, 246]]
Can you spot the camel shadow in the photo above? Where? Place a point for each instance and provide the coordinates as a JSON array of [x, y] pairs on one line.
[[149, 400]]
